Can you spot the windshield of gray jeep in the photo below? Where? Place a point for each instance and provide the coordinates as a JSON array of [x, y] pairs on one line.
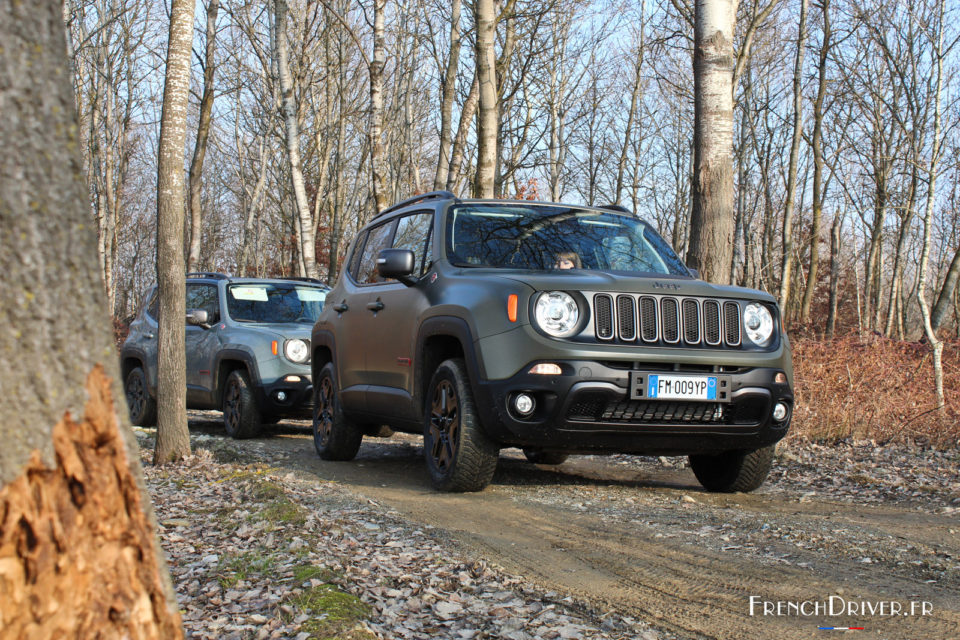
[[263, 302], [526, 236]]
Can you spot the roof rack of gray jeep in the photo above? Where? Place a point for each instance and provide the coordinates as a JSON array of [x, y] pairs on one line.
[[431, 195], [616, 207], [208, 274]]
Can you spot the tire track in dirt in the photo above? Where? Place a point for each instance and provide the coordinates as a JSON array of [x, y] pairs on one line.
[[682, 587]]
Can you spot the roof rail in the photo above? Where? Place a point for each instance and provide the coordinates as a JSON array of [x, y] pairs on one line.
[[303, 279], [616, 207], [432, 195], [208, 274]]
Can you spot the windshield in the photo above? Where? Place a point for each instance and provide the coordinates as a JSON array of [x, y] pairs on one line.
[[261, 302], [523, 236]]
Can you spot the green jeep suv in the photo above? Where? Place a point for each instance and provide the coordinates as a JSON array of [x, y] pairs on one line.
[[554, 328], [248, 350]]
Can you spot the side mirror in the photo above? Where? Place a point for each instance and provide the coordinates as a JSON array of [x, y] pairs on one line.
[[694, 272], [198, 318], [397, 264]]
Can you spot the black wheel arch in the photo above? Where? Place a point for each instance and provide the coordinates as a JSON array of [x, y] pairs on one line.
[[229, 360], [441, 338]]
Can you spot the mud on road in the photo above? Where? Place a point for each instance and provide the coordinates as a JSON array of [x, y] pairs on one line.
[[872, 532]]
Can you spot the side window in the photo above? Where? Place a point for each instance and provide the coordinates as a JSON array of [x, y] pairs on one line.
[[413, 233], [153, 304], [204, 296], [378, 239], [355, 258]]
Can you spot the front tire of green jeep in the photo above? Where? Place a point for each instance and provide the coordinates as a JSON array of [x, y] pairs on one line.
[[241, 416], [333, 436], [733, 471], [459, 455], [143, 408]]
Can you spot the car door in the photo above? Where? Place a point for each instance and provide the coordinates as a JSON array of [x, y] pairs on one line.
[[352, 328], [394, 309], [202, 344]]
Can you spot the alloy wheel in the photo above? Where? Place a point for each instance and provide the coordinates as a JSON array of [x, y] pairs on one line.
[[444, 425]]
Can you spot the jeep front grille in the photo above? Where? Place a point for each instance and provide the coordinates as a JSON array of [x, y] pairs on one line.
[[666, 320]]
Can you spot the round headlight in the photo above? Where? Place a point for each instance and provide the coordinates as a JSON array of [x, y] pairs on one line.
[[296, 350], [758, 323], [557, 313]]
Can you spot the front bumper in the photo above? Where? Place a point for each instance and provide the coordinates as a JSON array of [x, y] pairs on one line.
[[287, 399], [588, 409]]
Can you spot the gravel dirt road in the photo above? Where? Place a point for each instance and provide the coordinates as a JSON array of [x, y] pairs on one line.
[[868, 530]]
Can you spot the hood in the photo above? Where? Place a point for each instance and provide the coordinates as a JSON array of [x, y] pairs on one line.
[[285, 330], [583, 280]]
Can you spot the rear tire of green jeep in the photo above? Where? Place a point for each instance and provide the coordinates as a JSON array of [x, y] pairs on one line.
[[733, 470], [459, 455], [334, 437], [143, 408], [544, 456], [241, 416]]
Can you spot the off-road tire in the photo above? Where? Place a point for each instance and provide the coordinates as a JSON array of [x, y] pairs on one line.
[[143, 408], [733, 471], [459, 455], [334, 437], [544, 456], [241, 416]]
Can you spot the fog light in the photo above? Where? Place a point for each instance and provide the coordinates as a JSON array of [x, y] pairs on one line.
[[524, 404], [292, 379], [780, 412], [282, 396], [780, 378]]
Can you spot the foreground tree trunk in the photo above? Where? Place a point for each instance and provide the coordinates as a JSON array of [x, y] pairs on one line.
[[78, 557], [712, 218], [173, 438], [203, 134], [486, 20]]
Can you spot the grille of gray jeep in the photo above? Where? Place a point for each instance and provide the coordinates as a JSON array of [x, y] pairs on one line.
[[598, 408], [666, 320]]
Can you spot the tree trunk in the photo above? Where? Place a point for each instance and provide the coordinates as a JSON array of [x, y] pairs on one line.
[[78, 556], [303, 222], [935, 343], [817, 145], [467, 113], [712, 218], [942, 308], [377, 160], [485, 19], [786, 272], [448, 91], [173, 438], [632, 112], [203, 133]]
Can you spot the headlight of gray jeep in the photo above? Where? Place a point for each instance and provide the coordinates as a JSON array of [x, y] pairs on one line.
[[296, 350], [758, 322], [557, 313]]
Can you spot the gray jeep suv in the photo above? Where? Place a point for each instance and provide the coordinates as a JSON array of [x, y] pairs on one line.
[[554, 328], [248, 350]]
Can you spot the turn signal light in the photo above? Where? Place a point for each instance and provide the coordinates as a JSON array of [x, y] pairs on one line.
[[546, 369], [780, 378], [273, 347], [512, 307]]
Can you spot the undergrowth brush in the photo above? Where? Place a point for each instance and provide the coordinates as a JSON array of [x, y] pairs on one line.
[[874, 388]]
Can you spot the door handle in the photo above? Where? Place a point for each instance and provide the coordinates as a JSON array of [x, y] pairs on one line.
[[375, 306], [340, 307]]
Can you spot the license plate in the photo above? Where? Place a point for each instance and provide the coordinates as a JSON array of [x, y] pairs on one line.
[[673, 387]]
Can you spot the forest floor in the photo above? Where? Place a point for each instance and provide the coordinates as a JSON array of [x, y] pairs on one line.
[[265, 540]]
